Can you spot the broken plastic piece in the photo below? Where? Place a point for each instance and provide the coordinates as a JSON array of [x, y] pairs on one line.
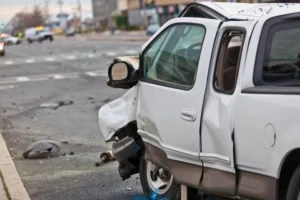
[[54, 105], [42, 149]]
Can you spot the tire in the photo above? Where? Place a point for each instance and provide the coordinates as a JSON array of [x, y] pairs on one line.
[[29, 41], [293, 192], [50, 38], [171, 191]]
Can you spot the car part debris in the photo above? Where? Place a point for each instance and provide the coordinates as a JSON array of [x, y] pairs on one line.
[[42, 149], [105, 157], [54, 105]]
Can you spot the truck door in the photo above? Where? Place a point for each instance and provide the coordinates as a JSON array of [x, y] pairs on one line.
[[174, 68], [217, 128]]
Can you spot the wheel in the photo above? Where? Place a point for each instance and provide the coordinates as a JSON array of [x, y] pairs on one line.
[[50, 38], [29, 41], [3, 53], [159, 184], [293, 192]]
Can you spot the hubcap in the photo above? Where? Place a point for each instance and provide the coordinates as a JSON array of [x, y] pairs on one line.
[[159, 179]]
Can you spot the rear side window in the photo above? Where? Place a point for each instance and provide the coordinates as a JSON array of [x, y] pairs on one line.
[[281, 62], [228, 61]]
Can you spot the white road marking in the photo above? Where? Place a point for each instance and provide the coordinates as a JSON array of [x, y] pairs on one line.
[[131, 52], [91, 55], [46, 77], [71, 57], [9, 62], [30, 60], [50, 59], [6, 87], [58, 76], [23, 79], [111, 54], [92, 74]]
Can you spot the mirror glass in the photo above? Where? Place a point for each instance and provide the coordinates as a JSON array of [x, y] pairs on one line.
[[119, 72]]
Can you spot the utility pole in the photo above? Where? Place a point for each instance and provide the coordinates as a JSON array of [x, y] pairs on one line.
[[144, 11], [60, 5], [79, 9], [79, 14], [47, 9]]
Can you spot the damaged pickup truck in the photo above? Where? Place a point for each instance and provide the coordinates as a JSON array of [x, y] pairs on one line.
[[212, 105]]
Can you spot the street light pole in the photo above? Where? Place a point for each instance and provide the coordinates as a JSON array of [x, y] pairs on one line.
[[79, 14], [79, 9], [60, 4]]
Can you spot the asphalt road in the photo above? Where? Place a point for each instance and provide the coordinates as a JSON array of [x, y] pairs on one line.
[[66, 69]]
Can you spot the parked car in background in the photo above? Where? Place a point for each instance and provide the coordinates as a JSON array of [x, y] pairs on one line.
[[70, 32], [32, 35], [2, 47], [11, 40]]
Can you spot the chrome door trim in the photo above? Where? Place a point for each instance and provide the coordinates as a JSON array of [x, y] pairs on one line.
[[211, 157]]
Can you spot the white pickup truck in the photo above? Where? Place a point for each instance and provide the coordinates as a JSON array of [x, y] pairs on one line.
[[32, 34], [213, 104]]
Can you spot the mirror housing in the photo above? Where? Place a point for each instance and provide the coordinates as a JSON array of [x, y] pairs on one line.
[[122, 74]]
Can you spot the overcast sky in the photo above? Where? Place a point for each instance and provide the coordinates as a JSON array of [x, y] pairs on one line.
[[9, 7]]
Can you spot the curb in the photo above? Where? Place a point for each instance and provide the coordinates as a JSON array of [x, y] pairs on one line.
[[15, 189]]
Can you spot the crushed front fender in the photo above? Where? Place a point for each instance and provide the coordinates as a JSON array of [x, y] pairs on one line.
[[118, 113]]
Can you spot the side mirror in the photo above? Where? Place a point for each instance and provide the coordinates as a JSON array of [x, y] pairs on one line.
[[122, 74]]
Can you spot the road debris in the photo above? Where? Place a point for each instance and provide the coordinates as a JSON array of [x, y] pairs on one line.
[[56, 104], [107, 100], [105, 157], [42, 149]]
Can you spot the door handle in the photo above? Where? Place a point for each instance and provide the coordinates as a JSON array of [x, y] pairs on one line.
[[188, 114]]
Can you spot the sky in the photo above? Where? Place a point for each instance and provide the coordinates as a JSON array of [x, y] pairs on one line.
[[9, 7]]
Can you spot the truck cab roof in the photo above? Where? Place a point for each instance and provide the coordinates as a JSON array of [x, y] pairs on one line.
[[240, 11]]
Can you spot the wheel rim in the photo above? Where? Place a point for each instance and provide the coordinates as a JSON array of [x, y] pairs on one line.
[[159, 179]]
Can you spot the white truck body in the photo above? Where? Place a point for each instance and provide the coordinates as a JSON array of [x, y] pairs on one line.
[[238, 143]]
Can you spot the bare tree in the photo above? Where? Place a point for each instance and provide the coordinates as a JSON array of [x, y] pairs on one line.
[[23, 20]]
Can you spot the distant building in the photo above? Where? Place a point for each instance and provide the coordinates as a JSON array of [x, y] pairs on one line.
[[103, 9], [138, 10]]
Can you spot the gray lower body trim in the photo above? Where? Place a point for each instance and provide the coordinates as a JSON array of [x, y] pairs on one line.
[[250, 185], [256, 186]]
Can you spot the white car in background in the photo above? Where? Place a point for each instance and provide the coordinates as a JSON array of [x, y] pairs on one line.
[[11, 40], [32, 35]]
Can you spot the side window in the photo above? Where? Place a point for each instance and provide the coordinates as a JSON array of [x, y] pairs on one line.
[[228, 61], [282, 57], [172, 59]]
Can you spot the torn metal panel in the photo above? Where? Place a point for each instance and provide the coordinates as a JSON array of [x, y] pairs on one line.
[[118, 113]]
